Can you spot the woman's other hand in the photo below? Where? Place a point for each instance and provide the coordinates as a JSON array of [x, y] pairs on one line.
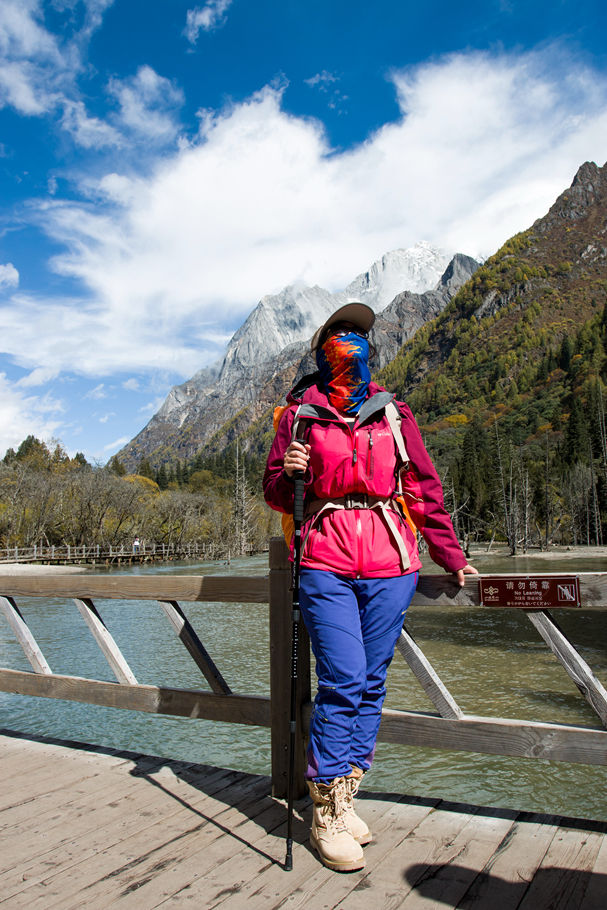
[[296, 458], [461, 574]]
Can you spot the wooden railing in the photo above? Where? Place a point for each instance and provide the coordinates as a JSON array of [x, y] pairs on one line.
[[448, 728], [97, 553]]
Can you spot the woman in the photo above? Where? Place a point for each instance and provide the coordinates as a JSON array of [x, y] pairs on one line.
[[360, 453]]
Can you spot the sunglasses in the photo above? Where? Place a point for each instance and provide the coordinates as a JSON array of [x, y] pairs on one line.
[[341, 330]]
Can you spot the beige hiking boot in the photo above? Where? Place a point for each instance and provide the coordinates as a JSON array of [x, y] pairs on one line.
[[355, 825], [335, 845]]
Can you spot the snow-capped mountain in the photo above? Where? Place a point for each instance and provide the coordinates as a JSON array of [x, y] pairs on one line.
[[417, 269], [269, 346], [295, 313]]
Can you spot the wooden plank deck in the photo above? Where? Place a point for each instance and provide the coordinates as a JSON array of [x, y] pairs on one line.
[[89, 827]]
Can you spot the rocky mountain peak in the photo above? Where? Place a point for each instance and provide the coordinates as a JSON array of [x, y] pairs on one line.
[[276, 322], [458, 272], [416, 269], [589, 188]]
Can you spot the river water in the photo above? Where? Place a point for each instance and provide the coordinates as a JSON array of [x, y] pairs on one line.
[[494, 663]]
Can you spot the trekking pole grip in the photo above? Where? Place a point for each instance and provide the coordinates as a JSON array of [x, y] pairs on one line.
[[298, 501]]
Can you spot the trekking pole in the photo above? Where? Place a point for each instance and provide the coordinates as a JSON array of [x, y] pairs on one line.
[[298, 514]]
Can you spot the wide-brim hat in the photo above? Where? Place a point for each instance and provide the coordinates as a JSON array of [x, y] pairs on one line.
[[359, 314]]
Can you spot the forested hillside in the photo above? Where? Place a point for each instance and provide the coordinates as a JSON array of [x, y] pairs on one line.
[[509, 382]]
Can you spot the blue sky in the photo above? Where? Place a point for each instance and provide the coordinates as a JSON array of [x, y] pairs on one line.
[[165, 164]]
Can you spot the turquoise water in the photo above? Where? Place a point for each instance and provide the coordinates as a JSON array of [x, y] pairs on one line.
[[493, 662]]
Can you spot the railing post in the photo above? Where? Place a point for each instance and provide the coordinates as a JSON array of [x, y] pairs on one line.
[[280, 674]]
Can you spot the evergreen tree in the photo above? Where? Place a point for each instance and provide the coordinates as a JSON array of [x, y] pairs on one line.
[[116, 466], [145, 469], [162, 478], [81, 461], [565, 354]]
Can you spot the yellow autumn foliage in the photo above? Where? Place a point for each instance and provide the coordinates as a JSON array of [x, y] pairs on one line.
[[457, 420], [147, 485]]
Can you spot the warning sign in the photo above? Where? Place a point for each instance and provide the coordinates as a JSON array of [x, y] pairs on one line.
[[530, 593]]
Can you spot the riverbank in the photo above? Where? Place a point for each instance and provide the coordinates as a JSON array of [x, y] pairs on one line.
[[20, 568], [497, 551]]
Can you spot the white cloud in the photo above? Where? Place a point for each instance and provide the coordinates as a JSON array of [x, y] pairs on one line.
[[39, 70], [9, 276], [207, 18], [22, 415], [117, 444], [37, 377], [322, 80], [147, 104], [106, 417], [33, 65], [152, 406], [98, 392], [172, 262], [328, 84], [131, 385], [18, 90], [94, 15], [21, 33], [88, 132]]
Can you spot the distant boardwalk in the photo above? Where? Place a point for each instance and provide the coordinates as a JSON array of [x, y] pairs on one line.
[[95, 554], [97, 828]]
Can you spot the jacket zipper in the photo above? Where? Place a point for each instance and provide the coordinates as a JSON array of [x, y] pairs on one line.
[[359, 527], [370, 456]]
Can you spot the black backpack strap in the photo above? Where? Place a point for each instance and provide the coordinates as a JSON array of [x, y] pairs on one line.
[[309, 412]]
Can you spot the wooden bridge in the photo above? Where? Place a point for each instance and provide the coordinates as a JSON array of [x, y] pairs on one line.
[[99, 827]]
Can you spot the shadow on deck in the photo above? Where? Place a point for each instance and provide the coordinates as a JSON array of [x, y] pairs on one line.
[[96, 827]]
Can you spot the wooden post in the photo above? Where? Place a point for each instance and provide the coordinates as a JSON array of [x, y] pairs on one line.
[[281, 624], [24, 636], [104, 639]]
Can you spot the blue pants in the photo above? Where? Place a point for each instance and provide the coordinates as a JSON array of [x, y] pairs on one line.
[[353, 625]]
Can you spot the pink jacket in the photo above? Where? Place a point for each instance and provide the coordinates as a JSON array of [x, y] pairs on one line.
[[361, 458]]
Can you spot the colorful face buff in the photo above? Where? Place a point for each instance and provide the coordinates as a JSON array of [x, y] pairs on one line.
[[343, 364]]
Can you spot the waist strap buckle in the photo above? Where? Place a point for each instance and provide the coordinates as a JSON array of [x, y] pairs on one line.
[[356, 501]]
